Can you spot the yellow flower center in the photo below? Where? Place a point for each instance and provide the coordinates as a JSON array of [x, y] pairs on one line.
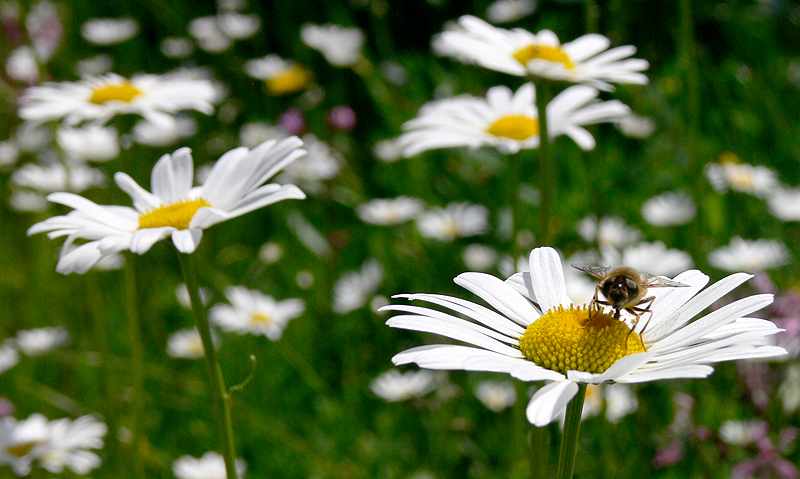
[[21, 450], [125, 91], [261, 318], [516, 127], [177, 215], [567, 339], [288, 81], [543, 52]]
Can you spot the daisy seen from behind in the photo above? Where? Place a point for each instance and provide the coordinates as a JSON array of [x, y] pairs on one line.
[[235, 186], [155, 97], [538, 334], [507, 120], [520, 52]]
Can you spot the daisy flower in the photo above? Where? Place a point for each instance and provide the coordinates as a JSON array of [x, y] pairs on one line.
[[784, 204], [280, 76], [89, 143], [731, 173], [155, 97], [109, 31], [210, 466], [522, 53], [23, 441], [186, 344], [669, 209], [537, 333], [609, 230], [55, 177], [9, 356], [507, 120], [390, 211], [253, 312], [234, 186], [504, 11], [339, 45], [655, 258], [38, 341], [355, 288], [457, 220], [496, 395], [396, 386], [69, 442], [755, 255]]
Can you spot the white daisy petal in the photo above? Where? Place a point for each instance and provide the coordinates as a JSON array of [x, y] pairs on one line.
[[548, 402]]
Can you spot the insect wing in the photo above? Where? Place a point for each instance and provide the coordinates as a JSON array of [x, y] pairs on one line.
[[652, 281], [597, 271]]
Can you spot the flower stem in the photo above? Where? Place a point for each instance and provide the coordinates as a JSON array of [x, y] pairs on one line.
[[221, 395], [137, 362], [547, 167], [569, 439]]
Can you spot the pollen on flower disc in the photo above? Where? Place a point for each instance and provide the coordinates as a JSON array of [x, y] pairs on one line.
[[567, 339], [516, 127], [125, 92], [177, 215]]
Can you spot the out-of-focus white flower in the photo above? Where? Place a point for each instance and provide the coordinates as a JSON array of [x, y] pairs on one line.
[[396, 386], [109, 31], [741, 433], [784, 204], [390, 211], [309, 172], [270, 252], [339, 45], [457, 220], [9, 152], [22, 442], [668, 209], [210, 466], [749, 255], [209, 35], [94, 66], [89, 143], [69, 442], [182, 295], [394, 72], [654, 258], [238, 26], [32, 137], [253, 312], [9, 356], [176, 47], [257, 132], [21, 65], [54, 177], [789, 390], [635, 126], [610, 230], [147, 133], [35, 342], [27, 201], [304, 279], [355, 288], [280, 76], [478, 257], [388, 151], [44, 28], [504, 11], [731, 173], [620, 401], [187, 344], [496, 395]]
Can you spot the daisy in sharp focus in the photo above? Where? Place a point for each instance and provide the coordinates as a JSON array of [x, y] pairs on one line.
[[522, 53], [254, 312], [235, 186], [537, 333], [155, 97], [507, 120]]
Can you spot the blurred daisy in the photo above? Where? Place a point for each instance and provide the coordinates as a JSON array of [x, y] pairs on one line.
[[155, 97], [257, 132], [27, 201], [147, 133], [539, 334], [22, 442], [341, 46], [618, 399], [396, 386], [176, 47], [654, 258], [789, 390], [610, 230], [38, 341], [209, 35], [22, 66], [784, 204], [253, 312], [280, 76], [669, 209], [635, 126], [392, 211], [310, 172], [238, 26], [210, 466], [187, 344], [747, 255], [9, 356], [388, 151], [94, 66], [88, 143], [109, 31], [731, 173], [522, 53], [55, 177], [496, 395], [457, 220], [478, 257], [507, 121], [504, 11], [234, 187], [355, 288]]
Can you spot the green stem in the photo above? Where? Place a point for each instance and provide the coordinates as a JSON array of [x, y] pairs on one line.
[[569, 439], [137, 362], [221, 395], [547, 167]]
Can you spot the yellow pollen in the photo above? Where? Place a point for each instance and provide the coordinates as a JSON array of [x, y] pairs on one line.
[[177, 215], [125, 91], [288, 81], [566, 339], [261, 318], [543, 52], [21, 450], [516, 127]]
